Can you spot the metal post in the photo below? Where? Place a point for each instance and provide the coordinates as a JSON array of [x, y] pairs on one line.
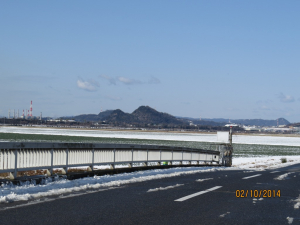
[[132, 157], [67, 160], [51, 169], [112, 166], [93, 159], [160, 155], [230, 136], [147, 157], [16, 164]]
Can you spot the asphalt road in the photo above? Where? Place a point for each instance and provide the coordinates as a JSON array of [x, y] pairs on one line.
[[212, 201]]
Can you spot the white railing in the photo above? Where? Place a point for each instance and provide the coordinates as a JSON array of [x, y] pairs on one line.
[[24, 156]]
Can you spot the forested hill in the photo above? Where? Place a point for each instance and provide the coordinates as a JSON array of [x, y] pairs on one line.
[[145, 115]]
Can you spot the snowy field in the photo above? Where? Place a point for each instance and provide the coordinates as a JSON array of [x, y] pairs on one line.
[[68, 188], [196, 137]]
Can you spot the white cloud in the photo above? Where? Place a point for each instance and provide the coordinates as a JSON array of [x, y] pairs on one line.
[[286, 98], [110, 79], [90, 85], [128, 81]]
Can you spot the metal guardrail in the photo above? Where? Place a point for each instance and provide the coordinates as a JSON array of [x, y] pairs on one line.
[[25, 156]]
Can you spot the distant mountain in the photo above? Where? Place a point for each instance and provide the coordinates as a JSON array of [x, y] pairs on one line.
[[92, 117], [118, 116], [261, 122], [204, 122], [142, 115], [246, 122], [146, 114], [103, 115]]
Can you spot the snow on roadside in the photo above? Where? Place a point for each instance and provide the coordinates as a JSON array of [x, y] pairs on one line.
[[10, 193], [262, 163], [32, 192]]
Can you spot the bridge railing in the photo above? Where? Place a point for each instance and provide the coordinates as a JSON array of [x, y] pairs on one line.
[[25, 156]]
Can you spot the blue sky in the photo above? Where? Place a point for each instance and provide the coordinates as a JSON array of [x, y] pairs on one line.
[[209, 59]]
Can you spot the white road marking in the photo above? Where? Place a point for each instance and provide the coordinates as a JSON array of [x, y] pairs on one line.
[[257, 175], [196, 194], [275, 171]]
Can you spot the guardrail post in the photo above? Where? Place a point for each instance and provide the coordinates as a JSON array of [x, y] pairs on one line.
[[180, 162], [171, 163], [112, 166], [93, 159], [190, 162], [16, 164], [131, 164], [147, 157], [51, 169], [159, 163], [67, 160]]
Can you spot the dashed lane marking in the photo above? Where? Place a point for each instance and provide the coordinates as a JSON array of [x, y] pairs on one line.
[[257, 175], [196, 194]]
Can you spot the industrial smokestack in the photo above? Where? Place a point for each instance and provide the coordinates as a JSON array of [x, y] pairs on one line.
[[30, 109]]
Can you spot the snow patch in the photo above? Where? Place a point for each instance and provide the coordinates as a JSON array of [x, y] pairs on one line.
[[263, 163], [290, 220], [224, 214], [165, 188], [297, 205], [283, 176], [201, 180]]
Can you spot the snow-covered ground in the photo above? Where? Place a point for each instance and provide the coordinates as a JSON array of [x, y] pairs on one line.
[[239, 139], [10, 193]]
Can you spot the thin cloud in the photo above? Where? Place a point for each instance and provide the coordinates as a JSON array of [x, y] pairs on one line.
[[286, 98], [128, 81], [114, 98], [110, 79], [264, 107], [90, 85], [264, 101], [154, 80]]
